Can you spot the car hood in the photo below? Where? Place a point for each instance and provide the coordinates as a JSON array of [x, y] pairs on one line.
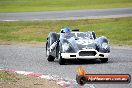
[[85, 44], [81, 44]]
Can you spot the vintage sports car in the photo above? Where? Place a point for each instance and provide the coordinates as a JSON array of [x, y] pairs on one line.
[[76, 45]]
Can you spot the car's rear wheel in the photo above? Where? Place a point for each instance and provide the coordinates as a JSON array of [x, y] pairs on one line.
[[104, 60], [61, 60]]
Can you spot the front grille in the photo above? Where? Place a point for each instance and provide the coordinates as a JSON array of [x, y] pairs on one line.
[[87, 53], [72, 55]]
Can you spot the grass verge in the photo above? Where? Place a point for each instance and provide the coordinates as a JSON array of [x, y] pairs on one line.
[[46, 5], [13, 80], [117, 30], [6, 76]]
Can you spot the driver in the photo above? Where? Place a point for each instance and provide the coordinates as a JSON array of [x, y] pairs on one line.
[[66, 32]]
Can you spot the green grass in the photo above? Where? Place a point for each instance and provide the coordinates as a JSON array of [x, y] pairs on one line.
[[118, 31], [46, 5], [6, 76]]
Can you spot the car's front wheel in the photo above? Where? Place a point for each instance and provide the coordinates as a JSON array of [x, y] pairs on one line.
[[104, 60], [49, 57], [61, 60]]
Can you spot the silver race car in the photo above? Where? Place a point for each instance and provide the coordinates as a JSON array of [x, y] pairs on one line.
[[76, 45]]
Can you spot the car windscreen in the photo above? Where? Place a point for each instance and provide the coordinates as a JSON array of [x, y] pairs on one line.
[[66, 35], [84, 35]]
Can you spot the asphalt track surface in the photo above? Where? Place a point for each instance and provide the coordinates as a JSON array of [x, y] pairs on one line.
[[32, 58], [67, 15]]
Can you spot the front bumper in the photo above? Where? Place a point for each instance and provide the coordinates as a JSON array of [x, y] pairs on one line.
[[79, 55]]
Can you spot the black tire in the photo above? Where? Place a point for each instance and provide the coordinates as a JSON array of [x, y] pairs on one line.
[[50, 58], [104, 60], [61, 60]]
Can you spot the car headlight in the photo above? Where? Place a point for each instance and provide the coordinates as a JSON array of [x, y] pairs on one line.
[[65, 46], [105, 46]]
